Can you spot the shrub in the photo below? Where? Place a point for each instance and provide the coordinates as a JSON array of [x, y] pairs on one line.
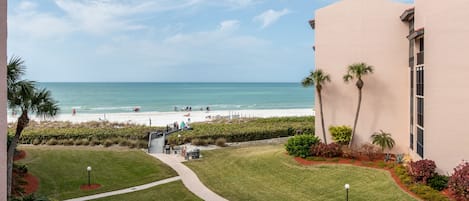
[[85, 142], [421, 170], [341, 134], [210, 141], [326, 150], [383, 140], [371, 151], [349, 152], [459, 181], [300, 145], [94, 142], [124, 143], [52, 141], [199, 142], [142, 144], [69, 142], [221, 142], [438, 182], [133, 144], [78, 142], [36, 141], [427, 193], [108, 143]]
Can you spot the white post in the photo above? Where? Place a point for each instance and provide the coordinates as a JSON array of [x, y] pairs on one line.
[[3, 100]]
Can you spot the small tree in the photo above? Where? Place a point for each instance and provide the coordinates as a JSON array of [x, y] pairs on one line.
[[318, 78], [23, 95], [357, 71], [383, 140]]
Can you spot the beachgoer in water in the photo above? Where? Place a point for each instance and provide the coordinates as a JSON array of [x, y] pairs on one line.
[[208, 108], [175, 108], [190, 108], [74, 111]]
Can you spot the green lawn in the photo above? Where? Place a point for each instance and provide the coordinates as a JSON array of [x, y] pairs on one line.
[[167, 192], [267, 173], [61, 170]]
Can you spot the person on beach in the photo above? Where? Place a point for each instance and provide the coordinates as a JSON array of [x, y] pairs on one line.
[[208, 109], [175, 108], [183, 125], [74, 111]]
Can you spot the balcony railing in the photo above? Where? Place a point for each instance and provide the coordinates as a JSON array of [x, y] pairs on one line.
[[420, 57]]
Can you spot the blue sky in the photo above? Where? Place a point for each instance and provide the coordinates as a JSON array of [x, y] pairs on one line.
[[163, 40]]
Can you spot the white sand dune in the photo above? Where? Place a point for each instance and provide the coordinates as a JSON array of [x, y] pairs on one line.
[[164, 118]]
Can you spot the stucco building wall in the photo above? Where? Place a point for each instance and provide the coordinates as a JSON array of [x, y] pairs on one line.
[[3, 98], [367, 31], [446, 111]]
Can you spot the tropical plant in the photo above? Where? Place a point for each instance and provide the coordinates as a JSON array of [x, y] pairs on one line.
[[318, 78], [459, 181], [341, 134], [422, 170], [299, 145], [383, 140], [357, 71], [23, 95]]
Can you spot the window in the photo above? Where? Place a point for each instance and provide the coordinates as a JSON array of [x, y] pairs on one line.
[[420, 112], [420, 142], [421, 45], [420, 80], [411, 140], [411, 108]]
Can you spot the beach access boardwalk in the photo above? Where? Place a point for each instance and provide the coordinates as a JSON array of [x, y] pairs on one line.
[[188, 177]]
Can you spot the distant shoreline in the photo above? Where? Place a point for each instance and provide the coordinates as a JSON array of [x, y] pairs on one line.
[[165, 118]]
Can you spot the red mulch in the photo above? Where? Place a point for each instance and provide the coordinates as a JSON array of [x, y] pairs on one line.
[[19, 155], [32, 185], [359, 163], [85, 187]]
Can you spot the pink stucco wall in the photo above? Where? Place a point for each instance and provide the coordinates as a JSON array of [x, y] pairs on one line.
[[3, 98], [446, 138], [368, 31]]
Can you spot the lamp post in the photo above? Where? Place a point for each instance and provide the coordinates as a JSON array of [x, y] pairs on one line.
[[347, 186], [88, 169]]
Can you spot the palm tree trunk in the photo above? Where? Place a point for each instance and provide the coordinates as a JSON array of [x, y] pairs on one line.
[[356, 117], [23, 121], [322, 117]]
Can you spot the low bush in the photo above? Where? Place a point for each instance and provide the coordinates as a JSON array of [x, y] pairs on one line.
[[52, 141], [108, 143], [124, 143], [94, 142], [438, 182], [341, 134], [142, 144], [36, 141], [349, 152], [422, 170], [210, 141], [371, 151], [78, 142], [199, 142], [221, 142], [326, 150], [300, 145], [459, 181], [69, 142], [427, 193], [133, 144], [85, 142]]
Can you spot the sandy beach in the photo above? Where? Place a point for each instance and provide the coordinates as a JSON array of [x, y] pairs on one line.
[[164, 118]]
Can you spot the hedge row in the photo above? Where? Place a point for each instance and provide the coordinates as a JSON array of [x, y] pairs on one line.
[[247, 130]]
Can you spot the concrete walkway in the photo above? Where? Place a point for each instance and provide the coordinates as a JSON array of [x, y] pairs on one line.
[[189, 178], [127, 190]]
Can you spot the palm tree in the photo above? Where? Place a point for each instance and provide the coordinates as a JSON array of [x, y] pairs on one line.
[[357, 71], [318, 78], [23, 95], [382, 139]]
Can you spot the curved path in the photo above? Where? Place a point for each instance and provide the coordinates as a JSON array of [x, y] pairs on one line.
[[189, 178], [127, 190]]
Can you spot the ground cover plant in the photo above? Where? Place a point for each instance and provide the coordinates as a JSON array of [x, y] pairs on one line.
[[267, 173], [240, 130], [423, 191], [61, 170], [174, 191]]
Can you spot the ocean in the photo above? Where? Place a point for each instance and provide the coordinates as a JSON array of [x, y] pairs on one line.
[[165, 97]]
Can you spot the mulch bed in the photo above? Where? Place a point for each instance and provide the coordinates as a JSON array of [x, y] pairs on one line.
[[361, 163], [20, 155], [87, 187]]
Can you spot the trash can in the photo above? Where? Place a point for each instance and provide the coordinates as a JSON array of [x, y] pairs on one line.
[[196, 154]]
